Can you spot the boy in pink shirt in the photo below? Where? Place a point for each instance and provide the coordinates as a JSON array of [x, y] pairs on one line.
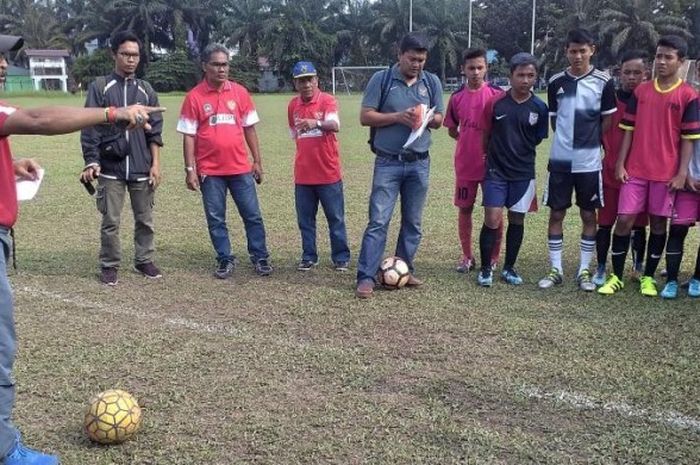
[[463, 121]]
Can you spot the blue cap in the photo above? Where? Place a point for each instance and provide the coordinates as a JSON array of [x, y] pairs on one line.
[[304, 69]]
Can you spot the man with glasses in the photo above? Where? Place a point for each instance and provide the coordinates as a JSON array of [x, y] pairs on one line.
[[217, 121], [123, 160]]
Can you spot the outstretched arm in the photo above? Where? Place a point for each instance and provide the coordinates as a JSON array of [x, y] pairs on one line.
[[62, 120]]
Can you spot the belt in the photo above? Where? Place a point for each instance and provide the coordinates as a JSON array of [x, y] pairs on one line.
[[407, 156]]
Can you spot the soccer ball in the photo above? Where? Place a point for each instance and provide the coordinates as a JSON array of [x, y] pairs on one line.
[[393, 273], [112, 417]]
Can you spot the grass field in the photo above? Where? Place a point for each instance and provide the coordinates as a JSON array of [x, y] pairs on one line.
[[293, 369]]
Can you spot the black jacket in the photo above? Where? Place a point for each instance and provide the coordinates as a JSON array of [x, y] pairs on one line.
[[120, 92]]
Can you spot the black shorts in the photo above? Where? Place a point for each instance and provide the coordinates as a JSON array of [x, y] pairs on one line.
[[560, 186]]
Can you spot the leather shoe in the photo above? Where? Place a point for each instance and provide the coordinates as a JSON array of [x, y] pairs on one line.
[[413, 281], [365, 289]]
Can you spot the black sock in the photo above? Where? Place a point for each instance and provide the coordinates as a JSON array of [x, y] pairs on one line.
[[696, 275], [639, 244], [486, 241], [655, 250], [602, 243], [620, 245], [514, 239], [674, 250]]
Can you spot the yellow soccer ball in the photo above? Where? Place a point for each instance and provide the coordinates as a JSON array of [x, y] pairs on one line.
[[112, 417]]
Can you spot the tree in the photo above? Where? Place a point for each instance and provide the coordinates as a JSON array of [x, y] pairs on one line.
[[638, 24], [447, 31]]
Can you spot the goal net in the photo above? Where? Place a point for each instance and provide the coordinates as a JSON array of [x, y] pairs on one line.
[[352, 79]]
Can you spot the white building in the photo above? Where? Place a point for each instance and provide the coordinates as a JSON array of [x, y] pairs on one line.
[[48, 69]]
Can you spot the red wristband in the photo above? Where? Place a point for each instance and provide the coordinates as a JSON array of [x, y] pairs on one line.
[[112, 115]]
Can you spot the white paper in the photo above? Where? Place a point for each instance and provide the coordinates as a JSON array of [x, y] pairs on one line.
[[416, 133], [27, 188]]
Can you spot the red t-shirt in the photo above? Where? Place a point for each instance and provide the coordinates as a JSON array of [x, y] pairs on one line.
[[464, 111], [612, 140], [317, 159], [659, 120], [216, 119], [8, 188]]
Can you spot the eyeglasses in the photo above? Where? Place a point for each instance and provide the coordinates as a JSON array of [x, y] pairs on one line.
[[129, 56], [221, 64]]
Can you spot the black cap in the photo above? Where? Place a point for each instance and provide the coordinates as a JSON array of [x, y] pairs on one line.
[[10, 43], [414, 41]]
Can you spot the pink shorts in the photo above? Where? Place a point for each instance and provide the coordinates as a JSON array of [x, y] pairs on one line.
[[686, 209], [607, 215], [639, 195], [465, 193]]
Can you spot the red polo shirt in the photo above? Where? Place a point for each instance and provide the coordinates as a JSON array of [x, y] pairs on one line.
[[317, 159], [8, 188], [216, 119]]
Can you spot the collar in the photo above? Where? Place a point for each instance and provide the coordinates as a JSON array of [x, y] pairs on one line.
[[120, 79], [576, 78], [670, 89], [396, 74], [209, 88]]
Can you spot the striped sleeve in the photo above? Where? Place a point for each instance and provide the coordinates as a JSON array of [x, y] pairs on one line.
[[690, 122]]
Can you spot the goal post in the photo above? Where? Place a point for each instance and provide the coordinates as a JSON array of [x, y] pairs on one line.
[[352, 78]]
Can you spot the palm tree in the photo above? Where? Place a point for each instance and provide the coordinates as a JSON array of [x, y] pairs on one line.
[[353, 32], [448, 31], [638, 24], [244, 24]]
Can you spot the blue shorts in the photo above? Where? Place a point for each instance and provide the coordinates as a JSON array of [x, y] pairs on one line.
[[516, 196]]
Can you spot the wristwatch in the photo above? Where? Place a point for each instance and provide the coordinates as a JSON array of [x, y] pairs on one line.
[[189, 168]]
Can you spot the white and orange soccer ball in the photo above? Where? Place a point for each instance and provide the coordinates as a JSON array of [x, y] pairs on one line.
[[112, 417], [393, 273]]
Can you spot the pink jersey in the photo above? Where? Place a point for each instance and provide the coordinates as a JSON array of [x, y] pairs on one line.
[[464, 112]]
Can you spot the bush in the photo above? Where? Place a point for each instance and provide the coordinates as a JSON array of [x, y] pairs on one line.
[[244, 70], [87, 67], [173, 72]]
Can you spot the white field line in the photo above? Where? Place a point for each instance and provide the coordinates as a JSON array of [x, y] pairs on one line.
[[572, 399], [584, 402], [119, 310]]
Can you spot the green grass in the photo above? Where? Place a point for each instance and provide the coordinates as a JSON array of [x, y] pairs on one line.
[[293, 369]]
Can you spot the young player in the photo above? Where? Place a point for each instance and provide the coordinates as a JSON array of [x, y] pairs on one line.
[[581, 104], [514, 124], [661, 121], [633, 68], [463, 122]]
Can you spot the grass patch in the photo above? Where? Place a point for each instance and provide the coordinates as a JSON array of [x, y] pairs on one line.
[[293, 369]]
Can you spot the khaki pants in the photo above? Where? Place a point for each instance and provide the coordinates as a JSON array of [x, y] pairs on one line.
[[110, 201]]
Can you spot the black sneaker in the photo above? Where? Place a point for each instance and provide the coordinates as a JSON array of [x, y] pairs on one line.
[[108, 276], [341, 267], [305, 265], [149, 270], [224, 270], [262, 267]]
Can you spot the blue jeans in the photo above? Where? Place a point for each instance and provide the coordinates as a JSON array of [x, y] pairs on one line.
[[391, 179], [307, 198], [242, 188], [8, 343]]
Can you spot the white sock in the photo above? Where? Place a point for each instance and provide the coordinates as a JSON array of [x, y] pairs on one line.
[[587, 245], [555, 244]]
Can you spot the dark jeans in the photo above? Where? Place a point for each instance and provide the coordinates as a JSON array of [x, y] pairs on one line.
[[330, 196], [7, 349], [242, 187]]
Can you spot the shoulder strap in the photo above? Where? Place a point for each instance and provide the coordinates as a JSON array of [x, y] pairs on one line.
[[100, 84], [384, 92], [429, 83]]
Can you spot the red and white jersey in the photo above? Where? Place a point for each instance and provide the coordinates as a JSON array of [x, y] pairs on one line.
[[8, 188], [216, 119], [317, 159], [659, 119]]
